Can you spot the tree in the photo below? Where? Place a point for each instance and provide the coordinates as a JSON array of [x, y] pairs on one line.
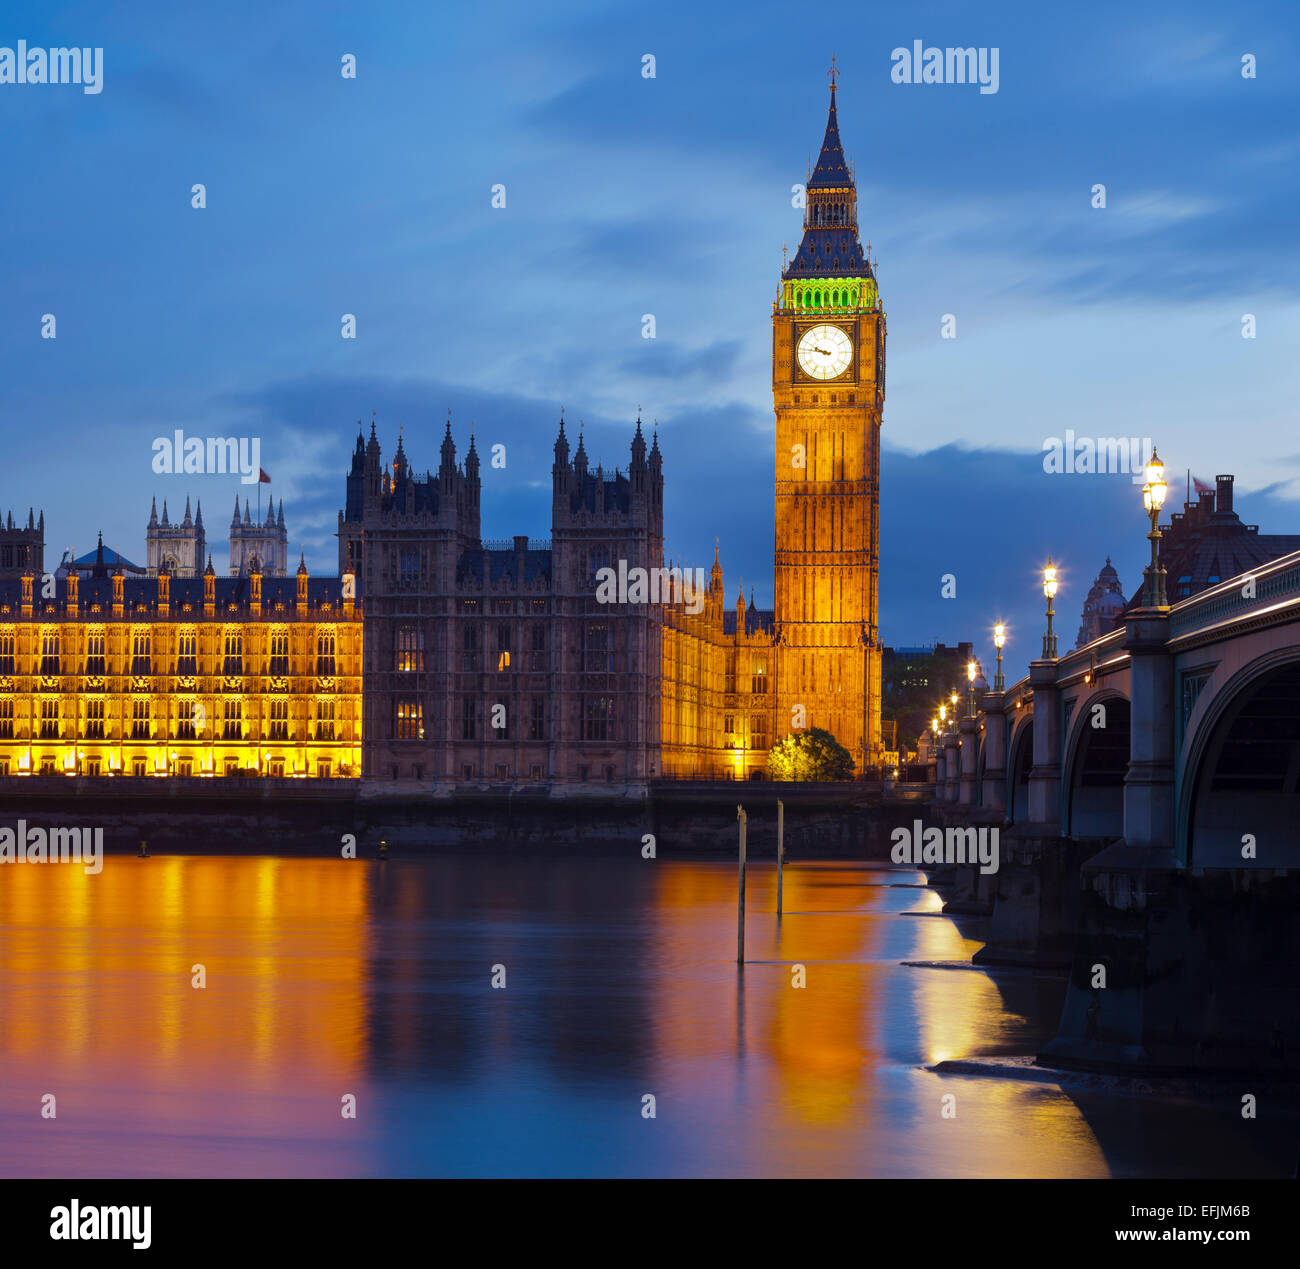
[[809, 755]]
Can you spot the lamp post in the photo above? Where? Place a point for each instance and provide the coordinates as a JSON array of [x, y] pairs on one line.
[[999, 639], [971, 668], [1153, 498], [1049, 589]]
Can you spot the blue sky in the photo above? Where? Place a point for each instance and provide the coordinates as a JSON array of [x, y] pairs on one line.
[[670, 196]]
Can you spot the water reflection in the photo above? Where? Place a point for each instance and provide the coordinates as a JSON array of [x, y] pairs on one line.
[[332, 977]]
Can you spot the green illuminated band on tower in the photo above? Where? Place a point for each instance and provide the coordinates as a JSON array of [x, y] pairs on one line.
[[825, 294]]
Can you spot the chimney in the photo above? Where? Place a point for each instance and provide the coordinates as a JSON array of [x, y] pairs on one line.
[[1224, 501]]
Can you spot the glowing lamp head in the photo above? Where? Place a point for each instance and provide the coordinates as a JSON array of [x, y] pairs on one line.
[[999, 635], [970, 671], [1049, 579], [943, 713], [1154, 491], [934, 726]]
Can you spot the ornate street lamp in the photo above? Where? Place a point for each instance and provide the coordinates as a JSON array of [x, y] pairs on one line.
[[972, 668], [1049, 589], [999, 639], [1153, 498]]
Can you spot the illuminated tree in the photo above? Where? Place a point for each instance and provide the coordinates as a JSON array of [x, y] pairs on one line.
[[809, 755]]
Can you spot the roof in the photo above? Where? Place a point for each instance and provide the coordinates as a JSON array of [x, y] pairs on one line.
[[143, 591], [498, 566], [112, 559]]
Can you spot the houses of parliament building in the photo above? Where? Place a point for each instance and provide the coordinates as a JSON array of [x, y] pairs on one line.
[[437, 658]]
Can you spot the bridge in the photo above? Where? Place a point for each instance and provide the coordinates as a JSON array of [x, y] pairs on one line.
[[1147, 791]]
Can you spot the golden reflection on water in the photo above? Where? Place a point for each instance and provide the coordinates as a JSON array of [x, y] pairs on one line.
[[323, 977], [102, 965]]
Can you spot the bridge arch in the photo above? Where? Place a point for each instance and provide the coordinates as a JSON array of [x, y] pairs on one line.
[[1095, 764], [1242, 770], [1020, 759]]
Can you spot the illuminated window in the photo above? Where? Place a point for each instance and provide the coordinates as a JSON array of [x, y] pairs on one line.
[[325, 653], [279, 721], [186, 714], [409, 721], [6, 719], [278, 662], [758, 678], [233, 661], [325, 720], [49, 652], [185, 659], [503, 661], [409, 649], [232, 721], [95, 720], [141, 728], [141, 659], [6, 652]]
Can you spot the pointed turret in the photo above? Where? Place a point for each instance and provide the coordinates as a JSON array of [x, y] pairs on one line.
[[153, 513], [580, 458], [248, 519], [166, 524], [234, 520], [198, 514], [279, 519], [448, 452], [471, 460], [209, 571], [188, 522], [832, 169]]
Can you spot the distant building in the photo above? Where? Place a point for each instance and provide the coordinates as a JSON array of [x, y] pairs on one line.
[[182, 546], [1206, 542], [262, 546], [916, 679], [1105, 602]]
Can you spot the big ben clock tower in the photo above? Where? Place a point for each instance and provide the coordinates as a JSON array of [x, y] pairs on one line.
[[828, 387]]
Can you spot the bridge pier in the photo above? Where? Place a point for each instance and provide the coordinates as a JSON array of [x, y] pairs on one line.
[[968, 739]]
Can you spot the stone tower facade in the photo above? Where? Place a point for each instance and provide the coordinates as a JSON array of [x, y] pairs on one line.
[[22, 548], [828, 388], [497, 663], [264, 545], [182, 546]]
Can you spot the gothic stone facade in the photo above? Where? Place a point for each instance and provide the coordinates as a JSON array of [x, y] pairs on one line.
[[494, 662]]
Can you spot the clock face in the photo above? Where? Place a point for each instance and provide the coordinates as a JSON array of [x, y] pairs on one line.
[[825, 352]]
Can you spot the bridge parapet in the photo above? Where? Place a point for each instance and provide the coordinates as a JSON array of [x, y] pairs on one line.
[[1276, 585]]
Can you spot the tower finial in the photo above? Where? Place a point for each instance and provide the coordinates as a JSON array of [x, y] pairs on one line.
[[833, 74]]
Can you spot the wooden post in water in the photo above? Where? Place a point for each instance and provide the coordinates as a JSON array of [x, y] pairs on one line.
[[740, 897], [780, 851]]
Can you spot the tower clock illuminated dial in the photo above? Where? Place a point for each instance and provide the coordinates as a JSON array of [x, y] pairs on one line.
[[825, 352]]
